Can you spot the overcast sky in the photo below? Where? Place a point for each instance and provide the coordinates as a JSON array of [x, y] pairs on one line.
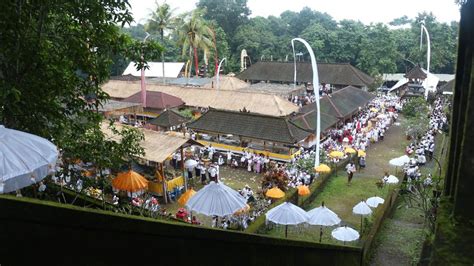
[[366, 11]]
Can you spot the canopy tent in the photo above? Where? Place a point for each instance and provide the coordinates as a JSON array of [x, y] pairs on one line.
[[216, 199], [24, 159]]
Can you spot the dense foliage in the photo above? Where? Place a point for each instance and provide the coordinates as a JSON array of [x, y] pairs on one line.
[[374, 48], [54, 57]]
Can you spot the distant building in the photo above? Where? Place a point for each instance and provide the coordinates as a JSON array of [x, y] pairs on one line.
[[337, 75]]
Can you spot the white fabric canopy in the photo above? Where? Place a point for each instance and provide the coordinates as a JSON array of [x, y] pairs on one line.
[[287, 214], [190, 164], [392, 179], [362, 208], [24, 159], [374, 201], [216, 199], [345, 233], [399, 161], [323, 216]]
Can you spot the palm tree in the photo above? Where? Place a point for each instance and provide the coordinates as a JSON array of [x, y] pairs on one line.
[[162, 19], [194, 34]]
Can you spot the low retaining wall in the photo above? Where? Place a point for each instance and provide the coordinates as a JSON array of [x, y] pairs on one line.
[[57, 234]]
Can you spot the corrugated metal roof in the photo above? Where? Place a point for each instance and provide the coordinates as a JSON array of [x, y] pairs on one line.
[[172, 69]]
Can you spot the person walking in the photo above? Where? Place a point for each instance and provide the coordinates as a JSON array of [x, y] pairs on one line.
[[350, 168]]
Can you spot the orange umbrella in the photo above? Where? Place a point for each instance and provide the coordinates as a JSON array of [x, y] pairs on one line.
[[130, 181], [275, 193], [186, 196], [322, 168], [243, 210], [303, 190]]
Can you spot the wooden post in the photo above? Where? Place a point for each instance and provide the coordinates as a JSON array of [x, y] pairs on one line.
[[162, 172], [182, 169]]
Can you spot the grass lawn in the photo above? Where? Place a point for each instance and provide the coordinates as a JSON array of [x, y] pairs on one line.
[[341, 197]]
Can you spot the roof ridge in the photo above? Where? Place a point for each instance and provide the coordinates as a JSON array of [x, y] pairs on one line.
[[248, 113], [334, 106], [356, 72]]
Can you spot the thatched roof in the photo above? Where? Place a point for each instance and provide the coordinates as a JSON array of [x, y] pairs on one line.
[[416, 73], [449, 86], [158, 146], [156, 99], [169, 118], [121, 106], [255, 126], [226, 83], [341, 104], [336, 74], [200, 97]]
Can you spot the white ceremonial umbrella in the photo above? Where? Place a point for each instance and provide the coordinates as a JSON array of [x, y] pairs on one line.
[[399, 161], [190, 164], [345, 233], [361, 209], [216, 199], [24, 159], [392, 179], [322, 216], [287, 214], [374, 201]]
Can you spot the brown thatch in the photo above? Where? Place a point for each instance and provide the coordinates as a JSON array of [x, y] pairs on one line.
[[261, 103], [121, 107], [226, 83], [158, 146], [336, 74]]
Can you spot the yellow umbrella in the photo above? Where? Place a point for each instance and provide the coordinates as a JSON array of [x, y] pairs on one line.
[[303, 190], [374, 109], [243, 210], [275, 193], [336, 154], [130, 181], [361, 153], [186, 196], [350, 150], [322, 168]]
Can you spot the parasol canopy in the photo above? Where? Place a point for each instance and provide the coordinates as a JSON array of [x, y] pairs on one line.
[[350, 150], [275, 193], [323, 216], [130, 181], [362, 208], [391, 179], [337, 154], [303, 190], [345, 234], [186, 196], [322, 168], [361, 153], [216, 199], [399, 161], [24, 159], [374, 201], [287, 214], [190, 164]]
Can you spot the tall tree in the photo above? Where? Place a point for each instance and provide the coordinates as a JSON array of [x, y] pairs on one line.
[[193, 34], [161, 20], [229, 14]]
